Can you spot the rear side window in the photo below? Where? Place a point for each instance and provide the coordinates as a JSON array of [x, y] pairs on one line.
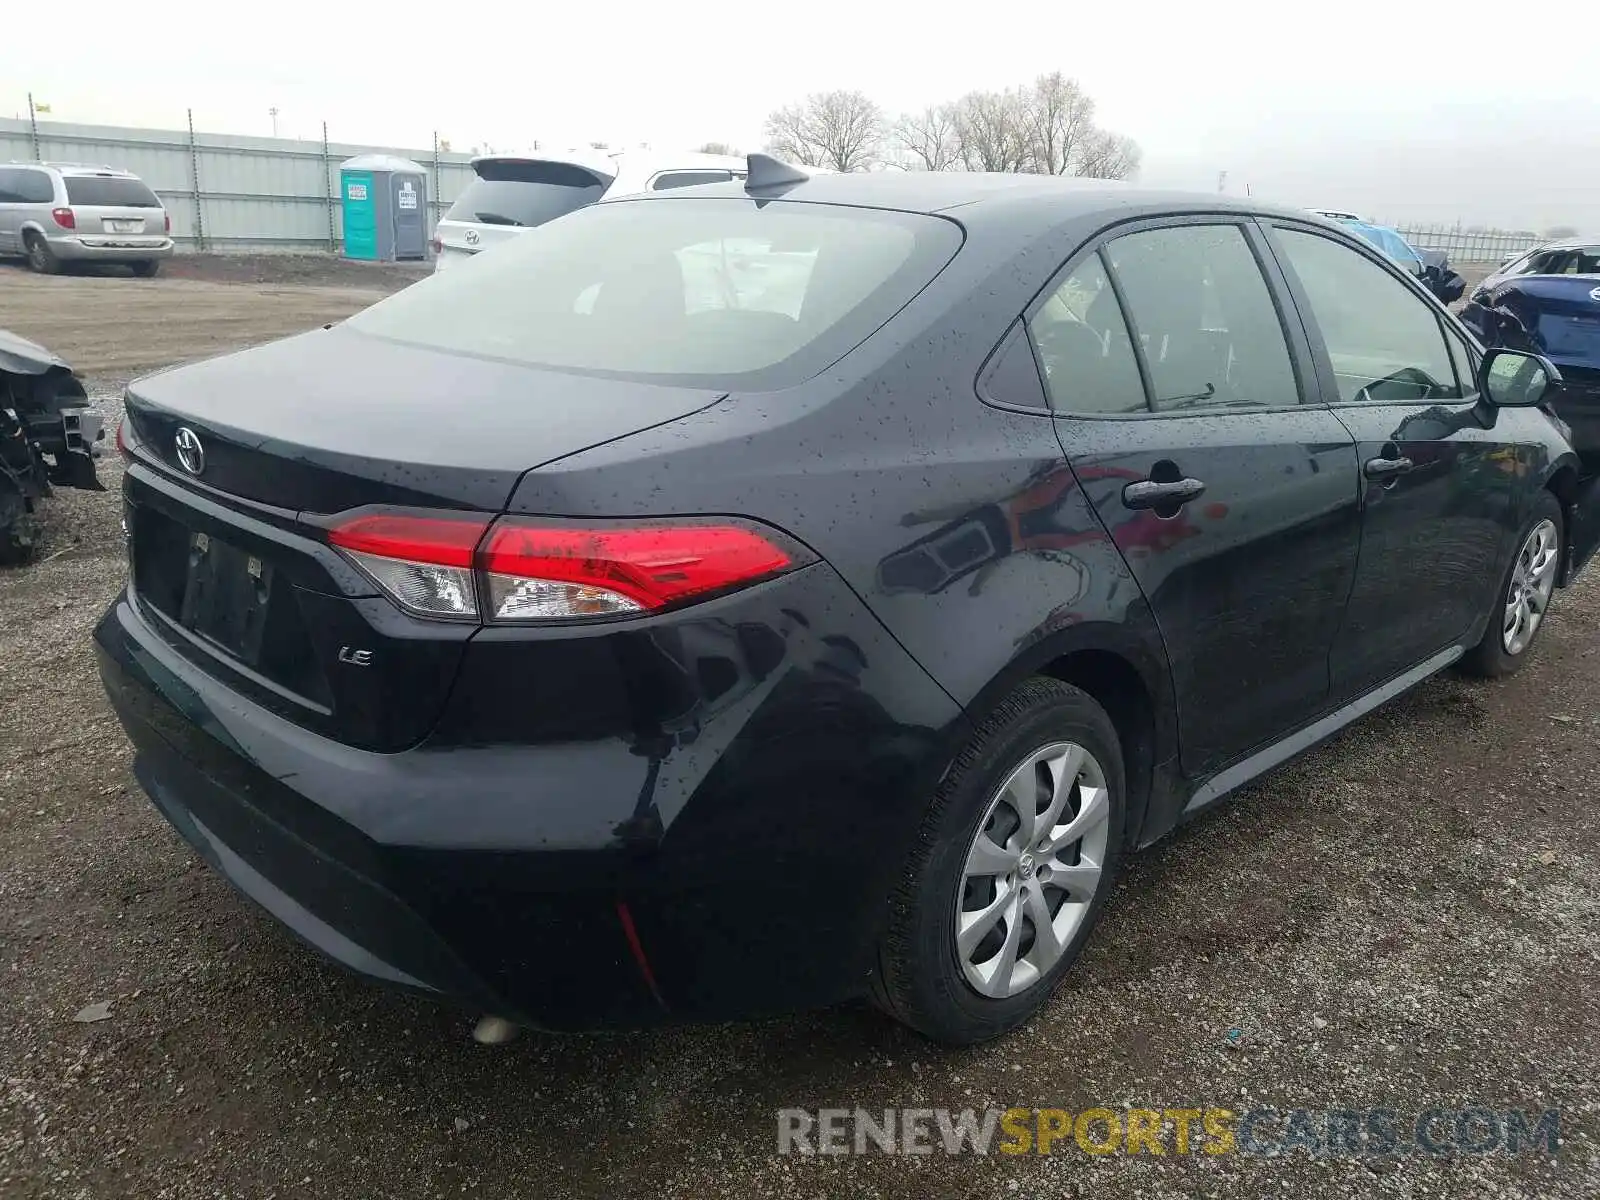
[[678, 179], [1084, 347], [707, 293], [1384, 340], [1205, 320], [526, 193], [109, 191], [31, 187]]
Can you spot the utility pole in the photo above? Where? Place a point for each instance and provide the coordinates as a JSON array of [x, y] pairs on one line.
[[1222, 181], [33, 128], [273, 113]]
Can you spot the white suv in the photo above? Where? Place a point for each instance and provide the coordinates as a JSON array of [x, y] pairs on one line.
[[515, 193], [51, 213]]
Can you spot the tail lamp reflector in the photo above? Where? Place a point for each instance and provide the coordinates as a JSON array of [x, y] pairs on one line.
[[423, 563], [527, 570]]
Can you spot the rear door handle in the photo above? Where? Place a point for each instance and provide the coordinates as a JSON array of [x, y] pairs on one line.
[[1149, 493], [1387, 468]]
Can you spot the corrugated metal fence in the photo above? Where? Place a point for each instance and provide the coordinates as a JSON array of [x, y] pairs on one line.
[[232, 192], [226, 191]]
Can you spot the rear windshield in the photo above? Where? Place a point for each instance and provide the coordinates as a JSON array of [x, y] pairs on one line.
[[526, 193], [706, 293], [109, 192]]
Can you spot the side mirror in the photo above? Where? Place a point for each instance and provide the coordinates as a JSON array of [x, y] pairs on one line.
[[1513, 379]]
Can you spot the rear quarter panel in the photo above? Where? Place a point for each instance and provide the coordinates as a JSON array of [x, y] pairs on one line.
[[891, 452]]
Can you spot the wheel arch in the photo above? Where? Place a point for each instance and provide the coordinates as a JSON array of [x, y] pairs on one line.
[[1123, 667], [1565, 483]]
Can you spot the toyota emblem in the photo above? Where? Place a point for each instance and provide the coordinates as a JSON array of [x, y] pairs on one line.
[[472, 237], [191, 454]]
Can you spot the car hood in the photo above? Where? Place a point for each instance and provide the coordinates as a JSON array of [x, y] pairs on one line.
[[22, 357]]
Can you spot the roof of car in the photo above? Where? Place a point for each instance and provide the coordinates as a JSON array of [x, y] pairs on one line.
[[979, 193], [1571, 243], [72, 168]]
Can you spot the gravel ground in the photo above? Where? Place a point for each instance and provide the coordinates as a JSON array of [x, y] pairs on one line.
[[1404, 918]]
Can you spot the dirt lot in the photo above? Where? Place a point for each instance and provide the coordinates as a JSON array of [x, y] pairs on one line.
[[1405, 918]]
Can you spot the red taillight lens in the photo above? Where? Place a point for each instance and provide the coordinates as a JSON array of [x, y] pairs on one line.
[[528, 569], [537, 571], [64, 217], [424, 563], [437, 243], [168, 218], [122, 438]]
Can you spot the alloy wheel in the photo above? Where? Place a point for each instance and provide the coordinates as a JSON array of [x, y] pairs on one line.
[[1032, 870], [1533, 578]]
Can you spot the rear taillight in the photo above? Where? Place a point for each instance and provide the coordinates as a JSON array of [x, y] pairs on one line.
[[437, 243], [64, 217], [423, 563], [526, 570], [122, 438], [168, 218], [538, 571]]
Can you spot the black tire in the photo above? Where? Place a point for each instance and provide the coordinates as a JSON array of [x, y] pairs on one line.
[[1490, 659], [147, 268], [919, 980], [40, 257]]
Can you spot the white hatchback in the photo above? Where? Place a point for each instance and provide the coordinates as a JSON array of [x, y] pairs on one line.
[[515, 193]]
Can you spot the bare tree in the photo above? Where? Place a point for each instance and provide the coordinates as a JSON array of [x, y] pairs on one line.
[[931, 139], [1060, 120], [993, 131], [719, 148], [843, 130], [1106, 155]]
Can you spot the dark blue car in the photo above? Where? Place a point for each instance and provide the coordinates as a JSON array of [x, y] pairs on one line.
[[1548, 301]]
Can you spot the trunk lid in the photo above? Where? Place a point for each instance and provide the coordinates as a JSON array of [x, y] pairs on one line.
[[335, 419], [231, 564]]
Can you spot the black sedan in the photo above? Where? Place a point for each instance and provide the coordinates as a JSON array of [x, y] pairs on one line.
[[749, 597]]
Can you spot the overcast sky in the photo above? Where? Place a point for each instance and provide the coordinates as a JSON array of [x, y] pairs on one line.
[[1401, 110]]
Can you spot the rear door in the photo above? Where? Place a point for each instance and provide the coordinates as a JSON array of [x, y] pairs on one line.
[[1439, 492], [1186, 405], [115, 208]]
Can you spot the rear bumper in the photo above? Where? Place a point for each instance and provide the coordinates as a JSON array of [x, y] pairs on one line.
[[751, 850], [110, 248]]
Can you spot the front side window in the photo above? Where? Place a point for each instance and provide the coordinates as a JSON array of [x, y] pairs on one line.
[[1580, 260], [1084, 347], [1465, 361], [1385, 341], [1204, 318], [699, 292]]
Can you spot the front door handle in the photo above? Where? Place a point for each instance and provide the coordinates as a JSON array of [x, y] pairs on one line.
[[1151, 493], [1387, 468]]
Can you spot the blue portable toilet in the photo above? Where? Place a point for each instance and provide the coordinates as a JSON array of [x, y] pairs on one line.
[[385, 202]]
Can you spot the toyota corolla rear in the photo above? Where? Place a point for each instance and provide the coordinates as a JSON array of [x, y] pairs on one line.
[[565, 767]]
